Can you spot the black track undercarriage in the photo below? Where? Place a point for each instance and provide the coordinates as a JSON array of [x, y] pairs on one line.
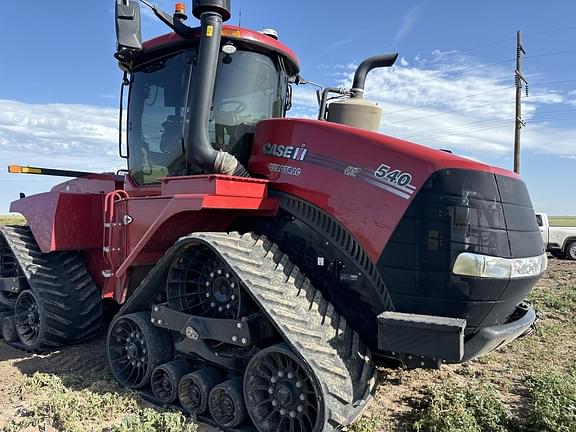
[[238, 336], [46, 300]]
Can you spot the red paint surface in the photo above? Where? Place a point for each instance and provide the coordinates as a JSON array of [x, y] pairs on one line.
[[215, 185], [245, 35], [71, 216], [177, 207], [367, 211], [63, 221]]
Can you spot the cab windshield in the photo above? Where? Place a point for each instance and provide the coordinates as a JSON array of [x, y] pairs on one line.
[[249, 87]]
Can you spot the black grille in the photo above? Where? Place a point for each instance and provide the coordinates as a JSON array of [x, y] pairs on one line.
[[460, 211]]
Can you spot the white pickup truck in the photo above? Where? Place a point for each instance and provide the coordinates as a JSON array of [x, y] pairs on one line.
[[559, 241]]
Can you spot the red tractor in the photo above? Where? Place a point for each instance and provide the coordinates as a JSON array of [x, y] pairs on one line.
[[263, 264]]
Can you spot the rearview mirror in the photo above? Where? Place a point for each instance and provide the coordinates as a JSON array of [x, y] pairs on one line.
[[128, 25]]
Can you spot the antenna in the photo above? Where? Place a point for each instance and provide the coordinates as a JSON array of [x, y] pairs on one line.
[[240, 15]]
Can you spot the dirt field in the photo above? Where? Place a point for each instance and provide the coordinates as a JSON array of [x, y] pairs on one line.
[[70, 390]]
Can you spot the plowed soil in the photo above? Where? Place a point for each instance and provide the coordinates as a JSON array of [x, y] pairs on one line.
[[399, 391]]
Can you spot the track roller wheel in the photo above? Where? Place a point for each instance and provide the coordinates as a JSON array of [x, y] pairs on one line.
[[9, 329], [194, 389], [135, 348], [281, 393], [165, 379], [30, 320], [226, 404]]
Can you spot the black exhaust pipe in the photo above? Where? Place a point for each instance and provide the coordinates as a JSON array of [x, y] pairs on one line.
[[198, 149], [366, 66]]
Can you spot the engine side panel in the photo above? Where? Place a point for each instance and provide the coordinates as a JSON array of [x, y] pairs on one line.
[[365, 180]]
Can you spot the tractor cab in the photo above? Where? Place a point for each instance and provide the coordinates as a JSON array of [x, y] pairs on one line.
[[167, 89]]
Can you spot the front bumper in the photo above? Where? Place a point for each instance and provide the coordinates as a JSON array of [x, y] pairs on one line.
[[442, 339], [488, 339]]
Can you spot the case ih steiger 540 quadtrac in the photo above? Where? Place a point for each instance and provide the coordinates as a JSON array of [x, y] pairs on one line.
[[264, 263]]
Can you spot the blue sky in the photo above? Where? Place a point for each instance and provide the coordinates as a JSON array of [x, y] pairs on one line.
[[452, 87]]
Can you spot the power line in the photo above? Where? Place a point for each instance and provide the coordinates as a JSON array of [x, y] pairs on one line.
[[550, 54], [444, 101], [471, 126], [456, 132], [453, 99], [556, 30], [449, 71], [460, 132], [557, 82], [498, 42], [508, 39], [451, 111], [556, 112], [476, 67]]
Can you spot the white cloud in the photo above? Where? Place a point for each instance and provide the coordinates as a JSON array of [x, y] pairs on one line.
[[444, 100], [450, 100], [63, 136], [407, 23], [304, 102]]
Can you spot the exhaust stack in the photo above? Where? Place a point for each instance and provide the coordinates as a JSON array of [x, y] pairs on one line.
[[357, 111], [198, 149], [365, 67]]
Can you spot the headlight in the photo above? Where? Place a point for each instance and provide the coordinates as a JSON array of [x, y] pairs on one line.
[[483, 266]]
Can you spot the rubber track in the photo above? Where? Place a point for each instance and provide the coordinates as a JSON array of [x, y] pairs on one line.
[[306, 320], [69, 297]]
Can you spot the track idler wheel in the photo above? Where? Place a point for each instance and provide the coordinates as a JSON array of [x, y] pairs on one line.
[[9, 329], [199, 283], [226, 403], [135, 348], [29, 319], [165, 379], [281, 393], [194, 389]]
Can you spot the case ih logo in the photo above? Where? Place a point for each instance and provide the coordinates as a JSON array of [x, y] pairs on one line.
[[284, 151]]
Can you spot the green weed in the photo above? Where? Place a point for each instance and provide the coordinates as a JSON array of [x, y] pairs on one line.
[[452, 408], [561, 301], [365, 424], [552, 401], [100, 406], [150, 420]]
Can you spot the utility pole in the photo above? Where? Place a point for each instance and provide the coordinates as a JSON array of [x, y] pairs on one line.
[[518, 79]]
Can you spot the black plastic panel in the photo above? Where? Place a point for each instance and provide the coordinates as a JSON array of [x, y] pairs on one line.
[[513, 191], [461, 211], [473, 312], [424, 335]]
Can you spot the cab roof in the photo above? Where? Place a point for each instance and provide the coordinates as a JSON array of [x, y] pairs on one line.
[[232, 33]]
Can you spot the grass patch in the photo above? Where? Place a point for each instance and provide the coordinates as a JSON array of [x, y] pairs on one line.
[[12, 220], [552, 401], [365, 424], [52, 405], [562, 301], [561, 221], [451, 408]]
